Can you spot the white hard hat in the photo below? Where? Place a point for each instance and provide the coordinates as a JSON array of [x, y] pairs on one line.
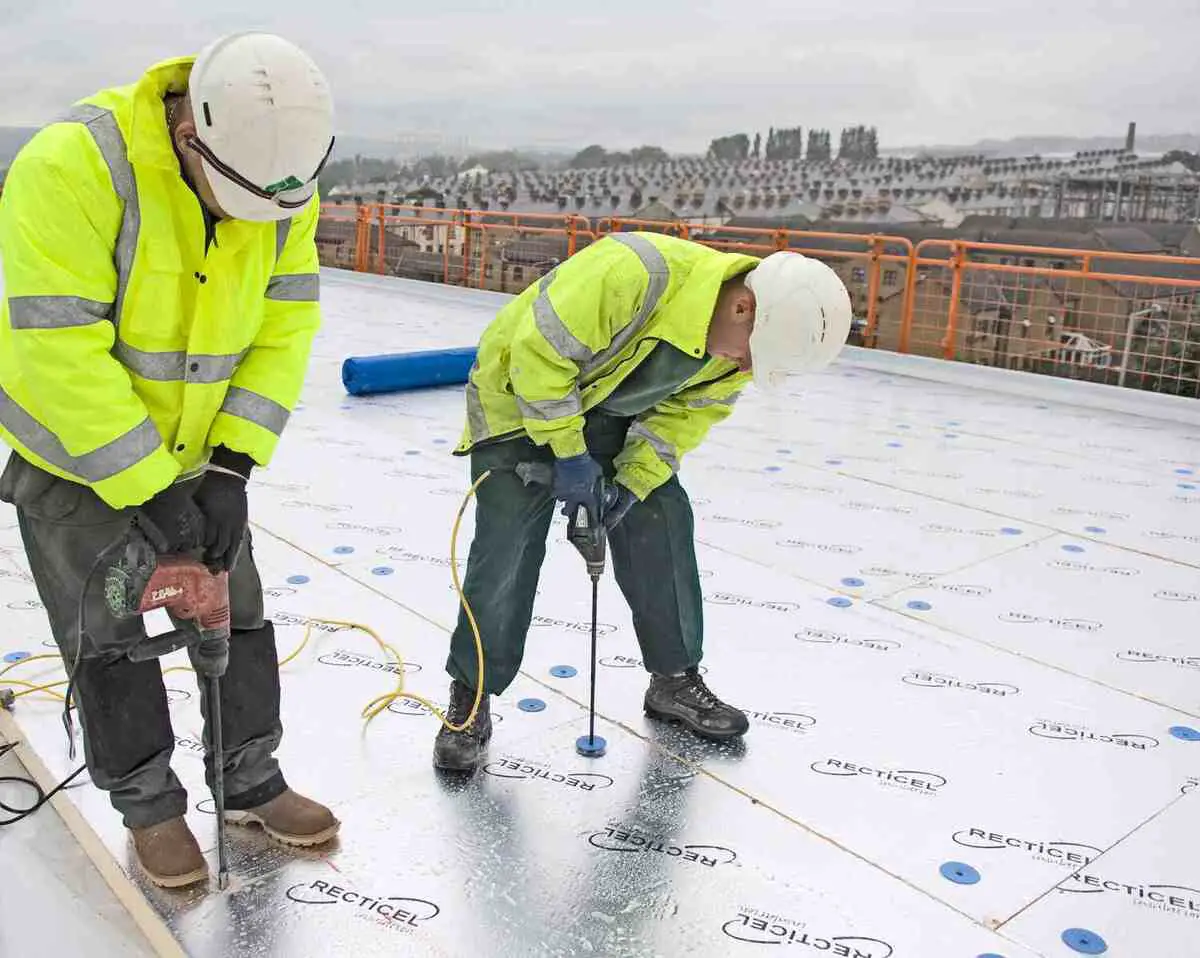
[[802, 317], [264, 124]]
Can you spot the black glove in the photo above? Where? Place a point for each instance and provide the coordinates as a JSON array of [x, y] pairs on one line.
[[618, 506], [577, 482], [222, 500], [171, 521]]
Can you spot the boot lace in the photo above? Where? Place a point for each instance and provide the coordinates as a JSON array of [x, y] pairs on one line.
[[703, 694]]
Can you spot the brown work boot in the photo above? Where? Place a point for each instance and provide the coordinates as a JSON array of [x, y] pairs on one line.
[[290, 818], [168, 854]]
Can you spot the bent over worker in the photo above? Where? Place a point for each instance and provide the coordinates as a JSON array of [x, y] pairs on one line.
[[616, 364], [161, 296]]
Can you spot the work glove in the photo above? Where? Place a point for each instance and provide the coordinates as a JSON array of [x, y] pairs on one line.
[[221, 498], [620, 501], [578, 482], [172, 521]]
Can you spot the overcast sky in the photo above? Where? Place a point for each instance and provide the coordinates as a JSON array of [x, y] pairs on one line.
[[556, 73]]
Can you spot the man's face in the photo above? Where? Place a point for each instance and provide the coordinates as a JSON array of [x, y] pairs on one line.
[[731, 326], [193, 166]]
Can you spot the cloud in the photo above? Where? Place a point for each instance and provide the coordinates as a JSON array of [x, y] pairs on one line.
[[671, 72]]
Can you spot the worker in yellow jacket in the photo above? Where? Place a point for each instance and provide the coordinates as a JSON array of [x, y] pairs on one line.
[[160, 300], [600, 377]]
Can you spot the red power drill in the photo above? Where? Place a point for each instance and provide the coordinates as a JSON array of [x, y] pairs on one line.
[[141, 580]]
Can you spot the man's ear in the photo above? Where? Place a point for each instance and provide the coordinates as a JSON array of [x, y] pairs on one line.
[[184, 131]]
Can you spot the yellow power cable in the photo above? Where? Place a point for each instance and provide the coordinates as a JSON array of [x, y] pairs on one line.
[[29, 658], [379, 704]]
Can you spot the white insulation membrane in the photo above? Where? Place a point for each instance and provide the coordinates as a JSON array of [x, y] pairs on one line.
[[964, 622]]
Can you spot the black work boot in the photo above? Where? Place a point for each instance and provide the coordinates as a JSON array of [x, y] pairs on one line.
[[686, 700], [461, 751]]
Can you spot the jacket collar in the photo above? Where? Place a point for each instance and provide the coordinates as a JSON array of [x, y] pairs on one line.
[[149, 141]]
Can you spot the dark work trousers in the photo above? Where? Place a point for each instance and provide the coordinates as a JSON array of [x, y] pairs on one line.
[[652, 550], [122, 705]]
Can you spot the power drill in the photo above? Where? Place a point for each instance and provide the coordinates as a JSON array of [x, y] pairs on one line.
[[140, 581]]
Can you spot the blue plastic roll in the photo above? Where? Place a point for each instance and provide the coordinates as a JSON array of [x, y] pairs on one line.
[[367, 375]]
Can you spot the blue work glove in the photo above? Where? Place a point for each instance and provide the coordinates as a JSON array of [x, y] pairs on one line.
[[617, 506], [577, 482]]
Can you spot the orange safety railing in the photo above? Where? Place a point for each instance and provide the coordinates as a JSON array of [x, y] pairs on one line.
[[1129, 319]]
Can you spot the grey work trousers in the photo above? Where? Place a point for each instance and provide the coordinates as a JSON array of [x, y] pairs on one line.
[[122, 705]]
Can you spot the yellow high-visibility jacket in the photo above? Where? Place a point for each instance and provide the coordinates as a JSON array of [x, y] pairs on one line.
[[128, 351], [565, 344]]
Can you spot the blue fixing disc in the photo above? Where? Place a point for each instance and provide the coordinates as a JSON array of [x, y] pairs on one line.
[[16, 656], [991, 954], [918, 605], [1010, 531], [959, 873], [833, 462], [412, 452], [564, 671], [297, 579], [951, 435], [784, 452], [895, 445], [343, 550], [1186, 485], [1184, 472], [531, 705], [382, 570], [773, 469], [1083, 941], [953, 422], [1185, 734], [590, 747], [1072, 548], [439, 442], [1095, 530], [853, 583], [840, 602], [903, 425]]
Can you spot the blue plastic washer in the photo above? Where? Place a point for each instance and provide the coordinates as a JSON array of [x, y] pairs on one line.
[[531, 705], [1072, 548], [960, 873], [918, 605], [1011, 531], [840, 602], [1185, 734], [853, 583], [412, 452], [591, 747], [297, 579], [439, 442], [1083, 941], [1095, 530], [16, 657], [895, 445], [951, 435], [833, 462], [773, 469], [564, 671], [1185, 472], [903, 425], [343, 550], [784, 452], [953, 422], [1187, 485], [382, 570], [991, 954]]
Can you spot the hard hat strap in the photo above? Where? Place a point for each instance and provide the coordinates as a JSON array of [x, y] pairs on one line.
[[277, 193]]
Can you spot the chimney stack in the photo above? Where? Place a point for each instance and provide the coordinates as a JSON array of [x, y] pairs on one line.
[[1130, 137]]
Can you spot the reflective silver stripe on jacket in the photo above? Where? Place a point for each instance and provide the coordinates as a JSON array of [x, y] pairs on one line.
[[297, 288], [663, 449], [555, 331], [477, 425], [107, 134], [282, 228], [55, 312], [113, 457], [707, 401], [545, 409], [256, 409], [177, 365], [660, 277]]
